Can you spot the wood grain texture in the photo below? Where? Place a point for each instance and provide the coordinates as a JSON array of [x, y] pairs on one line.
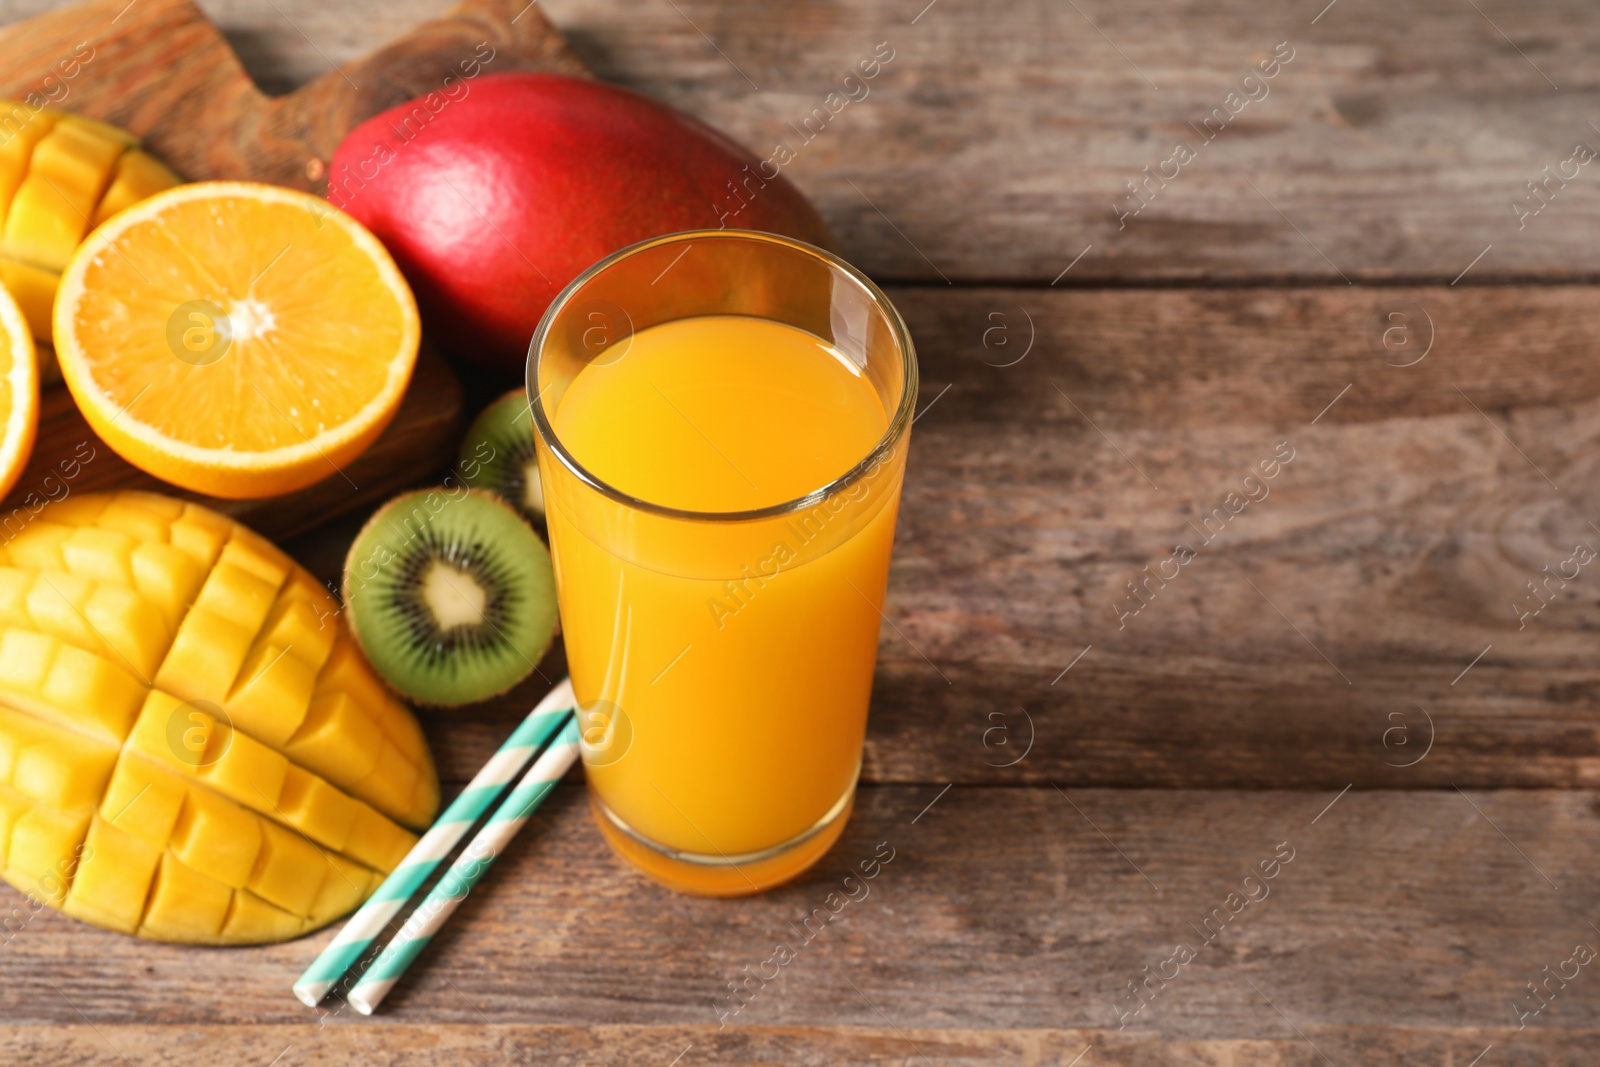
[[1401, 923], [1383, 561], [1387, 557], [470, 1045], [998, 140]]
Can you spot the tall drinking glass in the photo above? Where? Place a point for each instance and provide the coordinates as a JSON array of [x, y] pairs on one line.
[[723, 419]]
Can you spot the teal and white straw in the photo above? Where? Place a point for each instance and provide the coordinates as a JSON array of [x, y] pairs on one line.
[[358, 935], [465, 873]]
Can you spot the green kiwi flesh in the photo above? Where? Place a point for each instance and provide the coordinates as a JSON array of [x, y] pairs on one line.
[[451, 595], [497, 454]]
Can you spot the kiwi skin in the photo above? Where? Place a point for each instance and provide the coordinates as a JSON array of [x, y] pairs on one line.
[[363, 554], [497, 454]]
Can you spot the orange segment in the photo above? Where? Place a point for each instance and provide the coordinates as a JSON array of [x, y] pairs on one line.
[[236, 339], [19, 392]]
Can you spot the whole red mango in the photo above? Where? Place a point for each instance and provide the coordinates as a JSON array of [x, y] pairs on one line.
[[495, 193]]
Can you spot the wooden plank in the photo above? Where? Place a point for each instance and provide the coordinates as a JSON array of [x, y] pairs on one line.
[[1395, 544], [285, 45], [1309, 641], [1014, 909], [474, 1045], [997, 142]]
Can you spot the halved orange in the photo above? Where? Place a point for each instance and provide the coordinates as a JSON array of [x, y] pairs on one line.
[[19, 392], [236, 339]]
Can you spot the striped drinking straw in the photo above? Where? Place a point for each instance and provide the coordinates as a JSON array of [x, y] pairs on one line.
[[467, 870], [486, 786]]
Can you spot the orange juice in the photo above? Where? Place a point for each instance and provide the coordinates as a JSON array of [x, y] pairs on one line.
[[730, 664]]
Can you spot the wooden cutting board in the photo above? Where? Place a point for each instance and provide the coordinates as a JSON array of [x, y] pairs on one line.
[[161, 69]]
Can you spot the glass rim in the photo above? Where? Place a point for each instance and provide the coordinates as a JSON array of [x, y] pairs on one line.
[[898, 423]]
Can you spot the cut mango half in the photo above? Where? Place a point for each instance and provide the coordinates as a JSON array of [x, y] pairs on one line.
[[192, 748], [60, 176]]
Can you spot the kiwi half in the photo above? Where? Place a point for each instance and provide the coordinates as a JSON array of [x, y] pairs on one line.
[[498, 455], [451, 595]]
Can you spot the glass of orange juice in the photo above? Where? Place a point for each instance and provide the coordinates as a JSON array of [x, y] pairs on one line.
[[723, 419]]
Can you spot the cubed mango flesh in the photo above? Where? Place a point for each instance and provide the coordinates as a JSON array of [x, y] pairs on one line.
[[61, 175], [191, 747]]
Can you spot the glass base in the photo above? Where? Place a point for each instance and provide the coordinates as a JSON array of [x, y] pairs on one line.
[[717, 875]]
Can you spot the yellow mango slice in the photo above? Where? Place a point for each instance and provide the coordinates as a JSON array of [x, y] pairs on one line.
[[77, 157], [167, 578], [337, 725], [21, 128], [49, 767], [13, 806], [138, 176], [289, 870], [34, 289], [139, 515], [38, 546], [273, 694], [346, 885], [43, 851], [252, 920], [101, 554], [61, 175], [144, 800], [218, 838], [205, 657], [114, 874], [46, 221], [185, 905]]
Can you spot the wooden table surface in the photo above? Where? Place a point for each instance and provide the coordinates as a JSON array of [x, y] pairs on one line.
[[1339, 349]]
